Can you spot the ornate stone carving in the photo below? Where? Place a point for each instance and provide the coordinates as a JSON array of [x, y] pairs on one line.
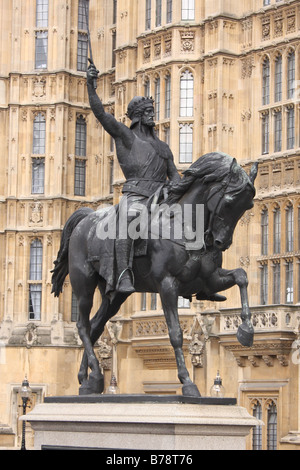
[[266, 27], [196, 350], [187, 41], [291, 20], [147, 51], [104, 354], [247, 66], [157, 48], [278, 24], [31, 335], [36, 215], [168, 45], [39, 87]]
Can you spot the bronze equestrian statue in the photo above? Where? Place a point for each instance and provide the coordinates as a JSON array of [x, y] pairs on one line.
[[166, 266]]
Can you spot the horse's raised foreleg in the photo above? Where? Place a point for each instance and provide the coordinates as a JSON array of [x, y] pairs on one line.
[[223, 279], [245, 331], [169, 298]]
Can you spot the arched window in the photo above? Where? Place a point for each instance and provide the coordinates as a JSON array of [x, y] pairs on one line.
[[167, 96], [278, 79], [82, 40], [153, 304], [38, 148], [266, 81], [289, 282], [265, 134], [157, 99], [158, 13], [169, 11], [147, 88], [82, 13], [41, 34], [272, 427], [277, 230], [186, 144], [264, 435], [290, 129], [39, 135], [35, 277], [277, 131], [264, 286], [276, 283], [188, 10], [291, 75], [186, 94], [264, 232], [36, 260], [289, 233], [74, 308], [257, 430], [148, 15], [80, 137]]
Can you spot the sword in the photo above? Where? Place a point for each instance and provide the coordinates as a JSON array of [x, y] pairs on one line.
[[90, 59]]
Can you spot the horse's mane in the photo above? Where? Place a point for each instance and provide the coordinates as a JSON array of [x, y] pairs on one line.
[[211, 167]]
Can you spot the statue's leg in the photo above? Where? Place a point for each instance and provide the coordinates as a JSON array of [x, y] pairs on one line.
[[95, 382], [245, 331], [169, 298], [124, 254], [95, 332], [223, 279], [106, 311], [84, 282]]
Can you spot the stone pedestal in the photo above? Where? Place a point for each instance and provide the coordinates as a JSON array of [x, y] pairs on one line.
[[140, 422], [7, 436]]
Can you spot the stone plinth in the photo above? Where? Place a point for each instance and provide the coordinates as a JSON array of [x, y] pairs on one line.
[[140, 422], [7, 436]]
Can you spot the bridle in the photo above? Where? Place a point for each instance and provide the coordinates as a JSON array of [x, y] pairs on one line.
[[222, 190]]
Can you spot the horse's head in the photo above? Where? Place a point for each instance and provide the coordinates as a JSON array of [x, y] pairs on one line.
[[226, 202], [218, 182]]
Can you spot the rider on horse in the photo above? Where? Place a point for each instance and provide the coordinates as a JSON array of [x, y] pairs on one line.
[[146, 161]]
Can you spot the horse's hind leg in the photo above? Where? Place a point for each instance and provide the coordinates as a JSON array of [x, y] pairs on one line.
[[169, 298], [106, 311], [84, 285], [95, 332]]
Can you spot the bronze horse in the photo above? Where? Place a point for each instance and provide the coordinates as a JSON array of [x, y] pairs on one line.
[[226, 191]]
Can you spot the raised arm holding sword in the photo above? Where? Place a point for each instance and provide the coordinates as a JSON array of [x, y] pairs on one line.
[[147, 162]]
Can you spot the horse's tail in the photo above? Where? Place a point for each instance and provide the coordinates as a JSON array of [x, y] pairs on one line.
[[61, 265]]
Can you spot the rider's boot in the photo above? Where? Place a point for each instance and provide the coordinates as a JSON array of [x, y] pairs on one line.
[[124, 255]]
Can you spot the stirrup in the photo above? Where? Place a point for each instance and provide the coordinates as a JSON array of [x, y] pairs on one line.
[[128, 280]]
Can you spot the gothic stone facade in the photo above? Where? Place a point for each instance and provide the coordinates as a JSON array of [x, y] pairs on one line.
[[225, 76]]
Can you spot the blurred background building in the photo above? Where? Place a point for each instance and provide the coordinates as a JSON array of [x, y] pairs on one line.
[[225, 75]]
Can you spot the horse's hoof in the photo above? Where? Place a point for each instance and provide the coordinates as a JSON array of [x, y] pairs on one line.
[[92, 386], [82, 377], [190, 390], [245, 334]]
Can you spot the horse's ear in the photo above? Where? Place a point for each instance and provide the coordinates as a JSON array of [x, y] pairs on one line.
[[234, 166], [253, 172]]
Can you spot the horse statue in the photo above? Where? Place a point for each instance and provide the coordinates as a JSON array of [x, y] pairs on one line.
[[223, 188]]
